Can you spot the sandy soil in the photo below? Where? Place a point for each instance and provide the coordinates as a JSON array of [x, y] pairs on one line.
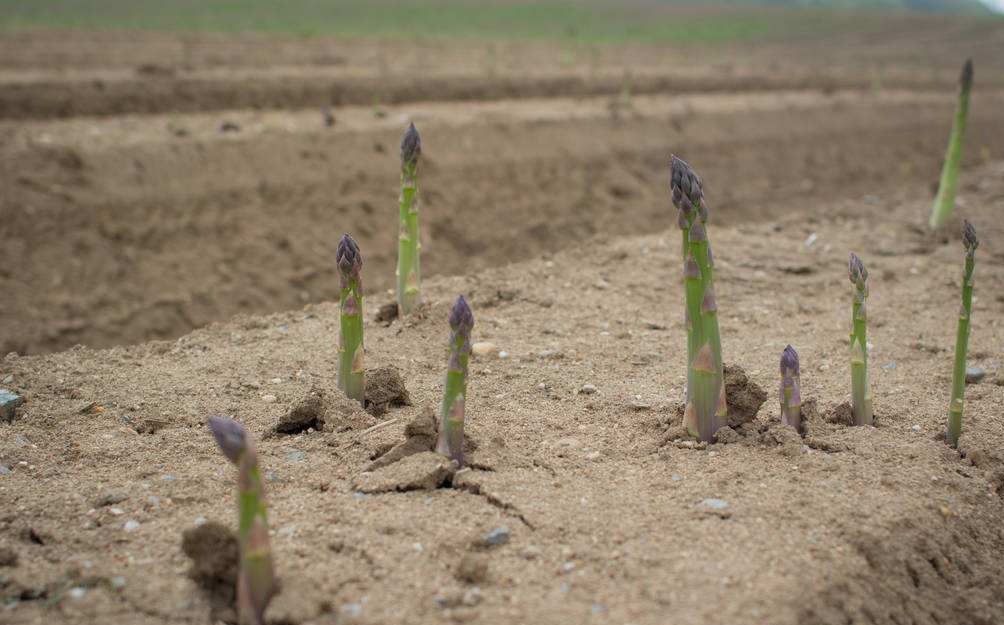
[[607, 515]]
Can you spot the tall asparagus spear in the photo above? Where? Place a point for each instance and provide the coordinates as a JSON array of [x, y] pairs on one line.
[[860, 392], [256, 578], [350, 343], [409, 246], [962, 336], [451, 428], [944, 203], [791, 389], [706, 408]]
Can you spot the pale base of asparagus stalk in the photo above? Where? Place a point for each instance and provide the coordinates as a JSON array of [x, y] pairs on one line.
[[351, 372]]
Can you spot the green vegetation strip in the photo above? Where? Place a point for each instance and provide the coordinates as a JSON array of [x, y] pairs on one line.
[[584, 22]]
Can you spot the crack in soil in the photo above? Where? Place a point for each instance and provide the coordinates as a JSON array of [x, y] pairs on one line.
[[508, 508]]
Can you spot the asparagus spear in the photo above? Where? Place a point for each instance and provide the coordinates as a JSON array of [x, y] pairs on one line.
[[256, 578], [706, 408], [350, 343], [409, 246], [944, 203], [860, 392], [962, 336], [451, 429], [791, 389]]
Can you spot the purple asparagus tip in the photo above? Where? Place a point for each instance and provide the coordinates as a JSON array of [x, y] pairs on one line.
[[789, 361], [969, 236], [856, 271], [966, 78], [685, 185], [411, 147], [349, 260], [230, 436], [461, 317]]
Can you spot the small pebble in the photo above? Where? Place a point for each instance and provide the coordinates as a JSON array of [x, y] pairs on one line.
[[718, 507], [296, 455], [8, 404], [131, 525], [587, 389], [498, 536], [200, 520], [352, 609], [77, 592], [118, 582], [269, 399], [484, 348], [567, 567], [915, 428], [4, 469], [890, 366], [530, 552], [117, 511], [974, 375]]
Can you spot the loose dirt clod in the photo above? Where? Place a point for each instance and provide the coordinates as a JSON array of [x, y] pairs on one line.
[[744, 396], [421, 471], [8, 557], [472, 569], [306, 413], [213, 550], [420, 435], [384, 390]]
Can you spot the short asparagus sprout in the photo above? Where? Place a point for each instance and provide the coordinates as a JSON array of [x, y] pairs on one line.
[[451, 428], [351, 376], [409, 245], [944, 203], [706, 408], [962, 337], [791, 389], [860, 392], [256, 578]]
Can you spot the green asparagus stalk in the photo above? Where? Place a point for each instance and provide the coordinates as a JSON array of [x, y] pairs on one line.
[[351, 376], [791, 389], [962, 336], [256, 577], [860, 392], [706, 408], [451, 429], [409, 245], [944, 203]]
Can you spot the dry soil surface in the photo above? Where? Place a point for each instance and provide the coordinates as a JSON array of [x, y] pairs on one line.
[[609, 517]]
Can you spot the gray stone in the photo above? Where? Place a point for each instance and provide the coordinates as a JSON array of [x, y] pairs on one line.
[[9, 402], [498, 536], [296, 455], [718, 507], [974, 375], [4, 469]]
